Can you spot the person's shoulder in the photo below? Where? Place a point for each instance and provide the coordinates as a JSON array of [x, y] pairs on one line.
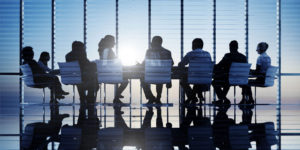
[[165, 50], [206, 52], [227, 55]]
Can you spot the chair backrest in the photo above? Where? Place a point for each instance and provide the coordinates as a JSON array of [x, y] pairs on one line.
[[158, 71], [200, 138], [109, 71], [70, 138], [158, 139], [110, 139], [200, 72], [270, 76], [270, 133], [239, 137], [27, 75], [70, 73], [239, 73]]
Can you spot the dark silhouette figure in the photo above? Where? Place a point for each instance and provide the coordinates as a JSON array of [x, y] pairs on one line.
[[148, 118], [221, 71], [262, 64], [106, 53], [247, 114], [89, 124], [38, 135], [196, 54], [43, 62], [40, 75], [88, 72], [221, 128], [156, 52]]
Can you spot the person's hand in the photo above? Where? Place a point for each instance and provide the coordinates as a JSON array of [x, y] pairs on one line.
[[169, 85]]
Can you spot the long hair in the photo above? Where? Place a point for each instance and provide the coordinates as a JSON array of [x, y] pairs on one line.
[[101, 47], [43, 57]]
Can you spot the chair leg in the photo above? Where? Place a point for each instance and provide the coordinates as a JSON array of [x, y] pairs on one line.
[[44, 96], [73, 107], [104, 105], [204, 103], [73, 94], [234, 98], [44, 99], [255, 104], [167, 105]]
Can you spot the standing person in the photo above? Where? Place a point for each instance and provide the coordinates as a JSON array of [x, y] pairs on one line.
[[221, 71], [156, 52], [106, 53], [197, 53], [88, 72], [262, 64], [40, 75]]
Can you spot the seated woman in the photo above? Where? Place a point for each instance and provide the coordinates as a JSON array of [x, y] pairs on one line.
[[43, 63], [262, 64], [106, 53], [41, 75]]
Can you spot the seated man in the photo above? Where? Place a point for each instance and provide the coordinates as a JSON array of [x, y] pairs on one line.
[[156, 52], [88, 72], [196, 54], [221, 71], [40, 76], [262, 64]]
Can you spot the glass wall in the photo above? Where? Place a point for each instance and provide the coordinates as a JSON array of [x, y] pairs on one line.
[[132, 22]]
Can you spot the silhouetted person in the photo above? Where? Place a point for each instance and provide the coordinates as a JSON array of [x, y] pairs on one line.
[[221, 71], [106, 53], [262, 64], [39, 74], [200, 55], [221, 128], [37, 135], [89, 124], [148, 118], [88, 72], [156, 52], [43, 62], [247, 114]]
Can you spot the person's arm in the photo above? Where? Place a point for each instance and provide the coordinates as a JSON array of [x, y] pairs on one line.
[[258, 66], [223, 62], [184, 61], [44, 67]]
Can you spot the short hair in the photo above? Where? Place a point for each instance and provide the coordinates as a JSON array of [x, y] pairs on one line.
[[263, 46], [27, 53], [233, 46], [156, 41], [197, 43], [77, 45]]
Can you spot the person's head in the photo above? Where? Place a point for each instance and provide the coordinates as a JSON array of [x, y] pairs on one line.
[[262, 47], [109, 41], [168, 125], [45, 57], [233, 46], [78, 46], [27, 53], [156, 42], [197, 43]]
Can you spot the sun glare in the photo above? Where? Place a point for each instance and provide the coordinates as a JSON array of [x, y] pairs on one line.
[[128, 56]]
